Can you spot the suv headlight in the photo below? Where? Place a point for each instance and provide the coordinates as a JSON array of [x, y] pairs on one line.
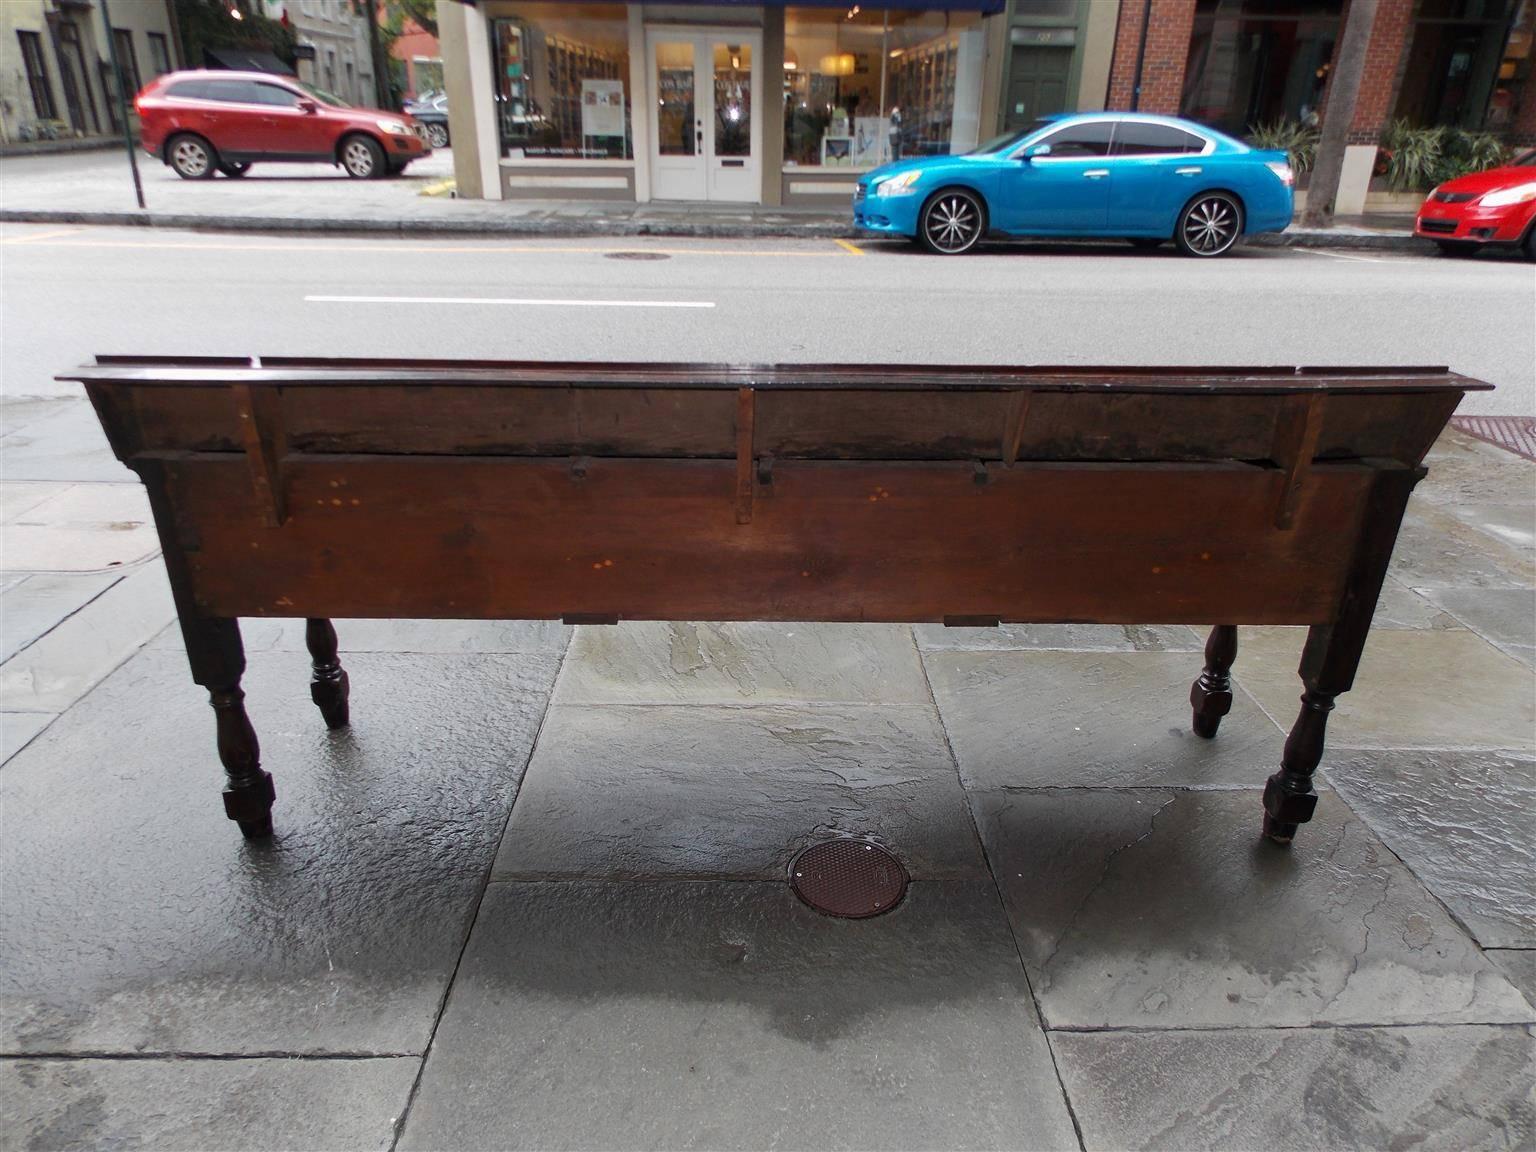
[[395, 127], [899, 185], [1503, 198]]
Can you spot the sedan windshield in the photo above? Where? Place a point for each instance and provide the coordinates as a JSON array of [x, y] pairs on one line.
[[323, 96], [1009, 140]]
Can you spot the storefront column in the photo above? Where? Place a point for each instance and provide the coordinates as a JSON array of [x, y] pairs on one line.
[[640, 97], [773, 106], [464, 34]]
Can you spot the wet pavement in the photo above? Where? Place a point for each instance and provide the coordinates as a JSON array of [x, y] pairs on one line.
[[535, 896]]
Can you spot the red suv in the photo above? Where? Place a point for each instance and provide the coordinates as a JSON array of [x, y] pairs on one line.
[[202, 122]]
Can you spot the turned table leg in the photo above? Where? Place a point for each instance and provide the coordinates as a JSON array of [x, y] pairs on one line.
[[1289, 798], [1211, 695], [329, 688], [217, 657]]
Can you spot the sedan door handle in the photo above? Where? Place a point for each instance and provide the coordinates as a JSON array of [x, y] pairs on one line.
[[1096, 174], [1187, 171]]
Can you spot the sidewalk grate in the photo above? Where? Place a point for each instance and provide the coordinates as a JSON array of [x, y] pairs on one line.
[[848, 878], [1517, 434]]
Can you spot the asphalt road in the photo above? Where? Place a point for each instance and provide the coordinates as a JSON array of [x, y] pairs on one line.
[[69, 293]]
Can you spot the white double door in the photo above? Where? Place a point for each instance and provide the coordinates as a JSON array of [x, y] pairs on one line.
[[706, 113]]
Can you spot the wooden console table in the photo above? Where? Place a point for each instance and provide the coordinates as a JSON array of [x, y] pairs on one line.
[[599, 492]]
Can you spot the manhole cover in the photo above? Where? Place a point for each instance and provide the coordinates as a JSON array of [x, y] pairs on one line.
[[1516, 433], [848, 878], [636, 256]]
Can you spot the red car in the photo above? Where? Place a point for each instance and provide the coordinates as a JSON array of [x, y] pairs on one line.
[[202, 122], [1493, 207]]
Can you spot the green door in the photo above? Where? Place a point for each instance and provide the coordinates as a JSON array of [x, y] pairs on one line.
[[1037, 84]]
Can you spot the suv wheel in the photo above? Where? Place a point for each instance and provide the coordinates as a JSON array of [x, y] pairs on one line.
[[1209, 225], [191, 157], [362, 158], [437, 135]]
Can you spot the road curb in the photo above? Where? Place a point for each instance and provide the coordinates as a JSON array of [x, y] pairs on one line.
[[558, 227]]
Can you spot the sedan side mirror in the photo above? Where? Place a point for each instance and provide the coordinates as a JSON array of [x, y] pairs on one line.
[[1037, 150], [309, 107]]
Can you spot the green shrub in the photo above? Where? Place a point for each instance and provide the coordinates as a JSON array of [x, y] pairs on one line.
[[1299, 141], [1421, 158]]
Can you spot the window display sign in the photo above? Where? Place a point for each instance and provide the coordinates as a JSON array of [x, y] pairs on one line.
[[602, 107]]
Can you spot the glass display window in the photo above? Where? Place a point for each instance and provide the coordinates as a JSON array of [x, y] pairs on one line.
[[866, 85], [561, 73]]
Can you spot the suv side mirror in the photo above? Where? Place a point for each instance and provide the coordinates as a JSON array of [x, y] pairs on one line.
[[309, 107]]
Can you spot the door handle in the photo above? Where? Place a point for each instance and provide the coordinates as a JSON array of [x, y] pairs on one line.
[[1187, 171], [1096, 174]]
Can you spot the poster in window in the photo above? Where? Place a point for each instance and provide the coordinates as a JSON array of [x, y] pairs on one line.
[[602, 107], [869, 137]]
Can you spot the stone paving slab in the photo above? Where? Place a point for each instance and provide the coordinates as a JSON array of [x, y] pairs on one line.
[[64, 443], [730, 1015], [1399, 606], [1157, 909], [756, 663], [1520, 966], [1511, 524], [1436, 689], [735, 792], [1435, 1088], [1067, 637], [85, 528], [202, 1105], [137, 919], [1436, 549], [445, 637], [38, 602], [60, 667], [1465, 822], [19, 496], [1464, 470], [17, 729], [1102, 719], [1505, 617]]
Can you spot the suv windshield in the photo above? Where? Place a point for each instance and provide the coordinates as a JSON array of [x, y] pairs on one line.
[[323, 96]]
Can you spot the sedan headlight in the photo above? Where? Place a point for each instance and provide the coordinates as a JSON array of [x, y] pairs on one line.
[[395, 127], [1503, 198], [900, 185]]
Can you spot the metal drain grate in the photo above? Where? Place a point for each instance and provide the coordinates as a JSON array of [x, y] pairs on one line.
[[849, 878], [1517, 434], [636, 256]]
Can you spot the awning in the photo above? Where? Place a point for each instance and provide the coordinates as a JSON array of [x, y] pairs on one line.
[[245, 60]]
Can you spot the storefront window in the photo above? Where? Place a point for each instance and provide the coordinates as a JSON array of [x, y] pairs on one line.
[[562, 82], [1454, 63], [1258, 61], [867, 85]]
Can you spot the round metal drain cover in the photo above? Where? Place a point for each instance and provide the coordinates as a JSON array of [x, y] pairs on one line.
[[636, 256], [848, 878]]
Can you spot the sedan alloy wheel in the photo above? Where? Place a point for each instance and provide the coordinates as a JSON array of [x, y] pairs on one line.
[[1210, 225], [952, 223], [437, 135]]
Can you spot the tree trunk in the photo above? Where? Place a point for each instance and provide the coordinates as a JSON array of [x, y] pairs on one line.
[[1339, 114]]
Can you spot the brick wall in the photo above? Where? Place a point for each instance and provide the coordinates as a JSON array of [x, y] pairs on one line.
[[1378, 85], [1162, 72]]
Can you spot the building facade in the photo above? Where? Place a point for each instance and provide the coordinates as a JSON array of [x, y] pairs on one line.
[[752, 103], [1235, 64], [56, 75], [417, 61], [334, 49]]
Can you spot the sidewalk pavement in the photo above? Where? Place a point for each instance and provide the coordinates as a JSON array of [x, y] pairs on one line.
[[95, 188], [535, 895]]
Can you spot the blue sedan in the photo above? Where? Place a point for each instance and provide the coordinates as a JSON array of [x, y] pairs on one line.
[[1147, 179]]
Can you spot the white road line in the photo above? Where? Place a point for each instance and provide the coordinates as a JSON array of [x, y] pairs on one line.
[[1343, 256], [504, 300]]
